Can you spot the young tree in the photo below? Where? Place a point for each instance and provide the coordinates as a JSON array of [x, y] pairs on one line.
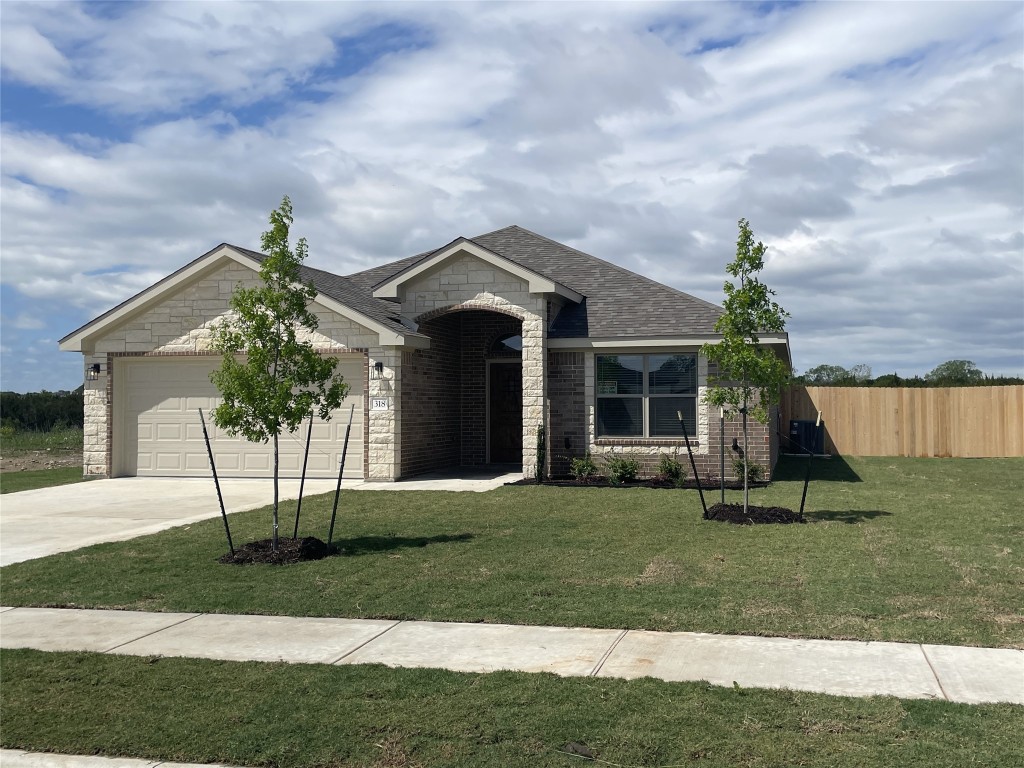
[[750, 375], [268, 379]]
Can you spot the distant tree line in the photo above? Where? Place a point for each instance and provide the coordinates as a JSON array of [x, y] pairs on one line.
[[42, 411], [952, 373]]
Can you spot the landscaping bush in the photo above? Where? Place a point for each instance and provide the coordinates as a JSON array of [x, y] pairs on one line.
[[622, 469], [755, 472], [583, 469], [670, 470]]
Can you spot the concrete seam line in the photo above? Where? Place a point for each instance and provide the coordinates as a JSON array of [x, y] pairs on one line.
[[364, 644], [606, 654], [935, 674], [150, 634]]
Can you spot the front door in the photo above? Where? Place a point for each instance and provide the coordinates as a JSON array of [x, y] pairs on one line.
[[505, 408]]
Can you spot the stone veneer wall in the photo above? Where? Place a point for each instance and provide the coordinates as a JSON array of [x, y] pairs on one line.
[[182, 325], [468, 283]]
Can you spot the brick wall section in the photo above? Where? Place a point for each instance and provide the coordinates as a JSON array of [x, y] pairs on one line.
[[445, 391], [567, 424], [430, 415]]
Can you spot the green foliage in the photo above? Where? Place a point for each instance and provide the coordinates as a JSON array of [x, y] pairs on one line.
[[755, 472], [954, 372], [750, 376], [622, 469], [42, 411], [670, 469], [583, 468], [269, 380], [541, 453]]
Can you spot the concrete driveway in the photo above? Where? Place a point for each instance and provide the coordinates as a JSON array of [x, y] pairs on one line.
[[49, 520]]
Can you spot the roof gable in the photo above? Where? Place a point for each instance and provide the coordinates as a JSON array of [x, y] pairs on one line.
[[390, 287], [333, 292]]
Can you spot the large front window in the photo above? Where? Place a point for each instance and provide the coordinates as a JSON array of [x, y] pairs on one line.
[[641, 395]]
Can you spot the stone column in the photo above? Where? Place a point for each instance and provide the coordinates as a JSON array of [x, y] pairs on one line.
[[534, 381], [384, 450], [95, 459]]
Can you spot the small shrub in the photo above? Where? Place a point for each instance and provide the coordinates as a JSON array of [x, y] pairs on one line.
[[755, 472], [669, 469], [622, 469], [583, 469]]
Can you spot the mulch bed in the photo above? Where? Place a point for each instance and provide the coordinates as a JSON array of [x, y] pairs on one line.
[[288, 551], [650, 482], [733, 513]]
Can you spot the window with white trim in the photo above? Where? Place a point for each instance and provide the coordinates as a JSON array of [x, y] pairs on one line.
[[639, 395]]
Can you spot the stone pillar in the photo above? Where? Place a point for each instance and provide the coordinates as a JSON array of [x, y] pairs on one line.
[[384, 449], [95, 457], [534, 382]]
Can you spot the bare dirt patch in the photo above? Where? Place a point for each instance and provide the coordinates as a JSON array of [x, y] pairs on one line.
[[733, 513], [288, 551], [29, 461]]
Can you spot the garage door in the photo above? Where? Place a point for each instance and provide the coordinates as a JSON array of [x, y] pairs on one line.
[[160, 433]]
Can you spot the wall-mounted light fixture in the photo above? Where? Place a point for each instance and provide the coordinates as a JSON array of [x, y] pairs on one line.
[[378, 371], [92, 373]]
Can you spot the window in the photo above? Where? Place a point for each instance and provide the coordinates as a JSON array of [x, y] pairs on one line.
[[509, 344], [640, 395]]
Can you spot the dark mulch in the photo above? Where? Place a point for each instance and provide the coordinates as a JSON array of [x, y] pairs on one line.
[[649, 482], [733, 513], [288, 551]]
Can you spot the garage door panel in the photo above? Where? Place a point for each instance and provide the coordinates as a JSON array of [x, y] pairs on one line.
[[162, 434]]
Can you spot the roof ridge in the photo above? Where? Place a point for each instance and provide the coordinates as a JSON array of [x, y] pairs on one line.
[[609, 263]]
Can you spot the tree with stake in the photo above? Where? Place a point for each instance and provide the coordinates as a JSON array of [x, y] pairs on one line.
[[750, 376], [268, 379]]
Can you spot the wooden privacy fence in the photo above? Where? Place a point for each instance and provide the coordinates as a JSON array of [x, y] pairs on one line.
[[951, 421]]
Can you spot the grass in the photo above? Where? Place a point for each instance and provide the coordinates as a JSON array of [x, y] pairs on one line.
[[12, 482], [313, 716], [915, 550], [57, 440]]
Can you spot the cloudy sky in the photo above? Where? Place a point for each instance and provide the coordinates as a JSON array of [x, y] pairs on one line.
[[877, 149]]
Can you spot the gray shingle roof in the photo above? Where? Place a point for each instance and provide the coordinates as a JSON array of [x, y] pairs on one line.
[[349, 293], [618, 302]]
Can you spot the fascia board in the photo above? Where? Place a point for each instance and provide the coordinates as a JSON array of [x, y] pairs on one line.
[[537, 283]]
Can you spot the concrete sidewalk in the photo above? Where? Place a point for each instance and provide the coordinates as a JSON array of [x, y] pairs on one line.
[[845, 668], [16, 758]]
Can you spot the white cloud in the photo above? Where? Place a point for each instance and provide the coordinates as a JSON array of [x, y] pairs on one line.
[[875, 147]]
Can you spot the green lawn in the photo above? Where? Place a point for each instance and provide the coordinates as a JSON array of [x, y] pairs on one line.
[[306, 716], [917, 550], [12, 482]]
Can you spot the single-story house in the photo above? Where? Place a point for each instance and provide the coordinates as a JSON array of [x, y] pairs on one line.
[[455, 358]]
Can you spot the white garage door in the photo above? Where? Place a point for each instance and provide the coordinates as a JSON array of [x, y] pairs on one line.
[[160, 433]]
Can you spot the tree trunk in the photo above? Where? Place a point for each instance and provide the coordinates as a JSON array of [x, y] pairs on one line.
[[276, 465]]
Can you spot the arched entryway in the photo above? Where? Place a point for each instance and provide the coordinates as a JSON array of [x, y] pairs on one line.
[[462, 399]]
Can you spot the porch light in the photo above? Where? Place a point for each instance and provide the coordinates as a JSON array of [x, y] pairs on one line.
[[378, 371], [92, 373]]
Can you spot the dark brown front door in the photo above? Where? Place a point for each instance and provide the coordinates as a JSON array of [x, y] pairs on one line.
[[505, 402]]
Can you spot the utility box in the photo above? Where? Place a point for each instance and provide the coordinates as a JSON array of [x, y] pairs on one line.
[[804, 435]]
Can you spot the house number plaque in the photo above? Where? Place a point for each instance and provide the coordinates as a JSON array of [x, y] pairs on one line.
[[380, 404]]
